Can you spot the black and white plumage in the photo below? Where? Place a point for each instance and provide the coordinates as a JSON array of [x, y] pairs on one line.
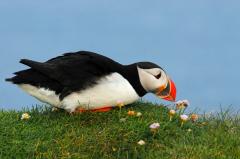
[[91, 81]]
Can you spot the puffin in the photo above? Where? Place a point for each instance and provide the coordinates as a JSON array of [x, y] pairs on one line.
[[87, 81]]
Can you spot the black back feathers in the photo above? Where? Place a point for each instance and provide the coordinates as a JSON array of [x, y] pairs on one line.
[[75, 72], [67, 73]]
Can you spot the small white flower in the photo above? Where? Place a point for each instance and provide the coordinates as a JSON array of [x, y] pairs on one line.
[[172, 112], [114, 149], [189, 130], [25, 116], [139, 114], [184, 117], [54, 109], [179, 102], [120, 103], [123, 120], [154, 126], [141, 142], [186, 102]]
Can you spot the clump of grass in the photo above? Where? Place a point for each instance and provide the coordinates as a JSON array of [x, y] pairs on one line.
[[58, 134]]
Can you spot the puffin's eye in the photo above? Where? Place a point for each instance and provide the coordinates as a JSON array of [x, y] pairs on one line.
[[158, 76]]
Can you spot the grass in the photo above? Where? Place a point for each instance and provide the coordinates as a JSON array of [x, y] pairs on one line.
[[52, 135]]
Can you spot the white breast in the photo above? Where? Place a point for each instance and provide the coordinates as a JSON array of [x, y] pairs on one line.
[[106, 92]]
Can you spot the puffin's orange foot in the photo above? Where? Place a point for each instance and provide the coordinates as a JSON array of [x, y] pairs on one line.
[[103, 109], [79, 110]]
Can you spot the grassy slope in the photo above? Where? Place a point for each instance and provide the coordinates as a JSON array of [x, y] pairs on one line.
[[101, 135]]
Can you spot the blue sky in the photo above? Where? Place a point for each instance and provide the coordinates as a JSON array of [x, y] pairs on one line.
[[197, 42]]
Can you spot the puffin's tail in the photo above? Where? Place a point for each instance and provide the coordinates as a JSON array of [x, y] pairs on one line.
[[28, 75], [8, 79], [29, 63], [44, 68], [38, 73], [19, 75]]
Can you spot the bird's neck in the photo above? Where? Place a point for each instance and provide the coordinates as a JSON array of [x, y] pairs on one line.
[[130, 72]]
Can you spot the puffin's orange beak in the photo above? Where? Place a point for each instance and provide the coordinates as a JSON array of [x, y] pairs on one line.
[[169, 92]]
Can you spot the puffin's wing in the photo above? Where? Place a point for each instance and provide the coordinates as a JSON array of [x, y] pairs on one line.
[[75, 71]]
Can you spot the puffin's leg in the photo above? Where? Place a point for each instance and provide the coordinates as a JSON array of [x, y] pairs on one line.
[[103, 109], [81, 110]]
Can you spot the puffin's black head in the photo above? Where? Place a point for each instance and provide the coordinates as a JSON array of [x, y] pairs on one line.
[[154, 79]]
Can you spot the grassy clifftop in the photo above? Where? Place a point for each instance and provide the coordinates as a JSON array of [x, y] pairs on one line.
[[115, 134]]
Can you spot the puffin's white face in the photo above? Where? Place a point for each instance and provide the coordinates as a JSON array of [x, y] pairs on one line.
[[155, 80], [152, 79]]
